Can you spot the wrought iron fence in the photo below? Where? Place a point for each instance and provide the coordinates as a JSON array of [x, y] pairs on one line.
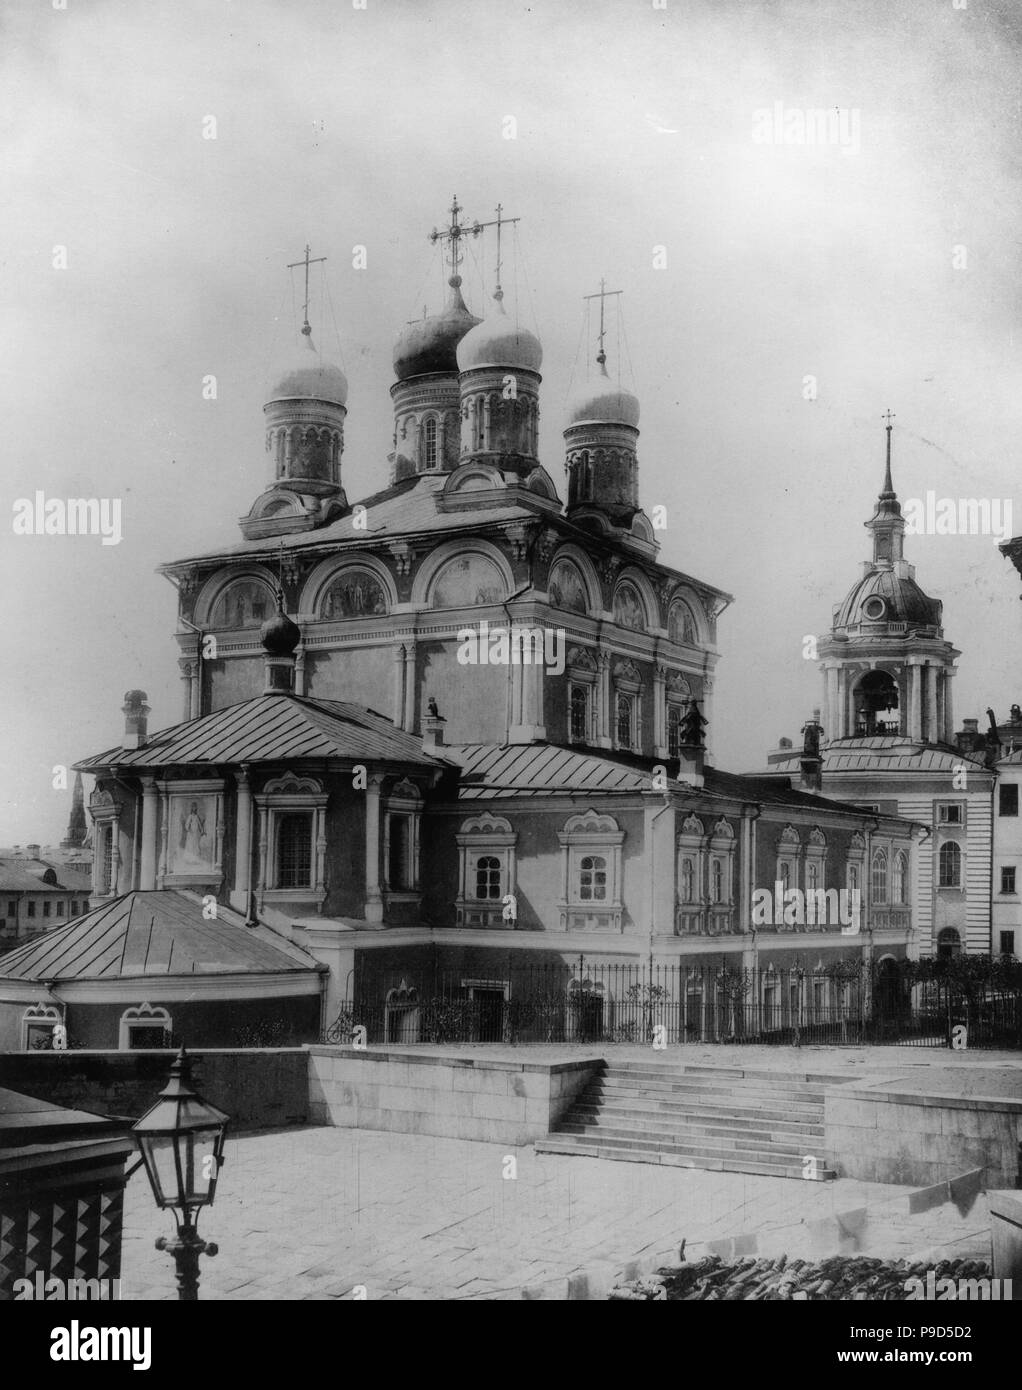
[[578, 1001]]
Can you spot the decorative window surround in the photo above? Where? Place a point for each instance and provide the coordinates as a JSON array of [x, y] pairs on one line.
[[690, 912], [855, 865], [404, 802], [106, 818], [143, 1016], [587, 836], [678, 692], [583, 676], [628, 682], [36, 1021], [281, 796], [721, 853], [485, 836], [789, 855]]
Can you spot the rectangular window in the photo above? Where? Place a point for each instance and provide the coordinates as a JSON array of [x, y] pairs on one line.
[[674, 712], [1007, 799], [1008, 879], [592, 885], [74, 908], [398, 868], [294, 850], [488, 877], [1007, 943], [950, 812], [31, 908], [60, 909], [12, 908], [106, 876], [47, 909]]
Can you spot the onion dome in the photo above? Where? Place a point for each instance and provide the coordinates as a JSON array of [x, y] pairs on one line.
[[306, 376], [430, 344], [500, 342], [883, 596], [279, 635], [603, 402]]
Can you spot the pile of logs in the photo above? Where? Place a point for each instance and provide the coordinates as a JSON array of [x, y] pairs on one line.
[[772, 1279]]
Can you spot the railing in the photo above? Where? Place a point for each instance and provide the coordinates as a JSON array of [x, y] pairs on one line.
[[578, 1002]]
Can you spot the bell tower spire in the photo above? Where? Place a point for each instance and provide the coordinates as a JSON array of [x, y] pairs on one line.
[[887, 522]]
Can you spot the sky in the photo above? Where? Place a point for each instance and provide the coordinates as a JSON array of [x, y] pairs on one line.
[[778, 298]]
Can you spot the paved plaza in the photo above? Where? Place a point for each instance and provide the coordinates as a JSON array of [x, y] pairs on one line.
[[311, 1213]]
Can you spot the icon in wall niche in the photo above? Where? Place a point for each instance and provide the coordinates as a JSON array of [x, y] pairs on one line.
[[194, 834]]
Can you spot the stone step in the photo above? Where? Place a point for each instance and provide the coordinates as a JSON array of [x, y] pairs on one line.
[[718, 1101], [596, 1147], [639, 1106], [645, 1124], [761, 1146], [729, 1076], [675, 1091]]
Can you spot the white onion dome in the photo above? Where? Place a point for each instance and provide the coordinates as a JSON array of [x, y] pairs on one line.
[[306, 376], [430, 344], [500, 342], [602, 401]]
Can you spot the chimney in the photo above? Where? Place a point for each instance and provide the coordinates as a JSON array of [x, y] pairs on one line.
[[968, 736], [136, 723], [811, 762], [33, 851], [432, 729]]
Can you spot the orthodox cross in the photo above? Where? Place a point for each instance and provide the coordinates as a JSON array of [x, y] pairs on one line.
[[498, 222], [452, 235], [604, 294], [306, 263]]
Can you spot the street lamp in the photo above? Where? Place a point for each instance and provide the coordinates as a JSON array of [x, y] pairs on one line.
[[181, 1140]]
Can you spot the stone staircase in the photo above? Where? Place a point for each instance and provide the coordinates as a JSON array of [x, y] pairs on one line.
[[721, 1118]]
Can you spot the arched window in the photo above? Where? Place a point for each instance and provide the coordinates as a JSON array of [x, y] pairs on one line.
[[579, 713], [688, 880], [717, 881], [674, 713], [592, 885], [429, 443], [488, 877], [950, 860], [899, 879], [879, 878], [625, 707]]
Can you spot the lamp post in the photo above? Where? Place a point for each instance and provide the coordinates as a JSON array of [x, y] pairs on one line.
[[181, 1140]]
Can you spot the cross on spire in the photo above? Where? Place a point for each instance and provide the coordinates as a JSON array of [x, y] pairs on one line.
[[306, 262], [888, 485], [603, 295], [453, 233]]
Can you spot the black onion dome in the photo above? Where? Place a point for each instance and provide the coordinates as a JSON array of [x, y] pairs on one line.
[[279, 635], [430, 344]]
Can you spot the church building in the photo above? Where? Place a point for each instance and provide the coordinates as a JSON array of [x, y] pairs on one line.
[[456, 727]]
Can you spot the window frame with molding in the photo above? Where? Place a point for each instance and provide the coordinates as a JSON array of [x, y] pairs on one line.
[[583, 675], [280, 796], [402, 803], [626, 683], [483, 837], [590, 835]]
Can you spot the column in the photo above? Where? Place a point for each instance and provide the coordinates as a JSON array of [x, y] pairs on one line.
[[398, 706], [147, 868], [659, 711], [535, 679], [161, 872], [196, 688], [519, 697], [604, 712], [841, 726], [410, 688], [949, 712], [186, 688], [243, 839], [115, 854], [300, 669], [833, 720], [707, 708], [914, 702], [373, 896], [930, 686], [263, 847]]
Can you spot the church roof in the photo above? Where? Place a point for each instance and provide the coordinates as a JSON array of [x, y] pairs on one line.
[[903, 602], [269, 728], [881, 753], [541, 769], [157, 934], [26, 876]]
